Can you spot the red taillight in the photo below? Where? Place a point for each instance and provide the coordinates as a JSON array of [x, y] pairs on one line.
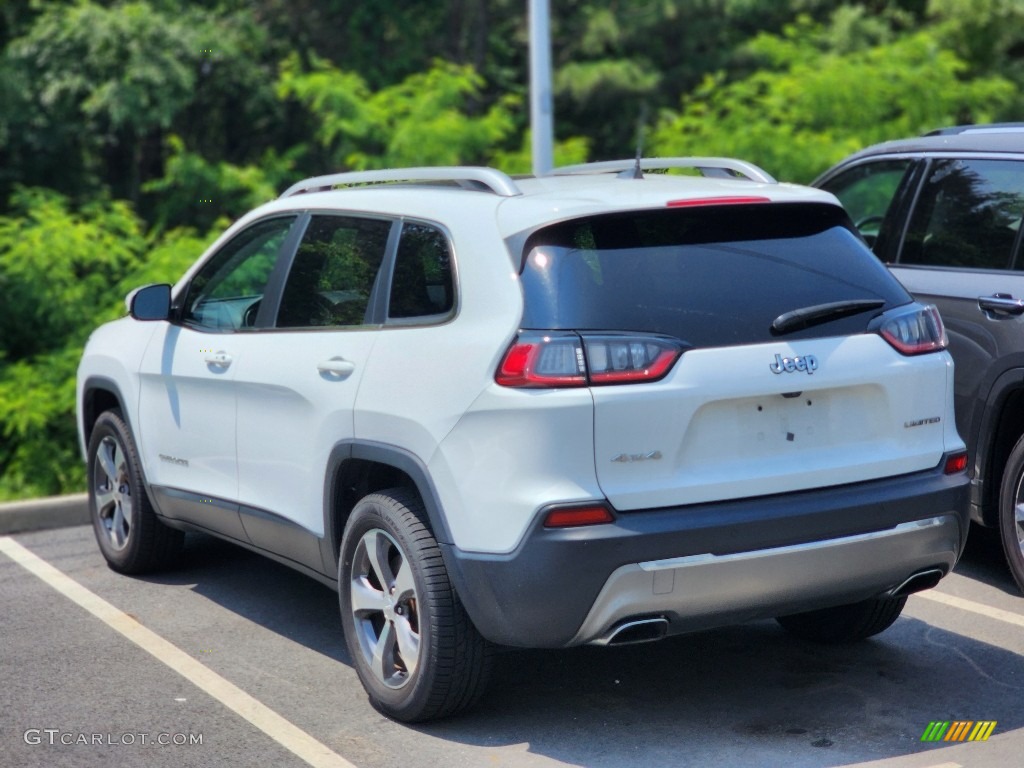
[[956, 462], [576, 360], [915, 330], [543, 360], [572, 517], [702, 201]]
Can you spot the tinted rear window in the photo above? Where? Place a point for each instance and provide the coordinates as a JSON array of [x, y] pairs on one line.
[[709, 276]]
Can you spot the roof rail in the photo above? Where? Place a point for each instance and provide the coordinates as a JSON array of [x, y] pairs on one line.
[[469, 177], [723, 167], [954, 130]]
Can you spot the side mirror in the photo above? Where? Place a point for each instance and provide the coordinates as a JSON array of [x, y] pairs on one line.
[[150, 302]]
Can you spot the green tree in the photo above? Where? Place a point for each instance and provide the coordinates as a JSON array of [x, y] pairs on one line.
[[38, 444], [89, 92], [196, 192], [809, 106], [989, 36], [58, 265], [57, 272], [617, 62], [423, 120], [63, 272], [389, 40]]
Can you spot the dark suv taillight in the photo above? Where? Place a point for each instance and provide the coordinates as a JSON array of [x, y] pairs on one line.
[[566, 359]]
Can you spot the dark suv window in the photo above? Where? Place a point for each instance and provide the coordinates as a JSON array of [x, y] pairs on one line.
[[709, 276], [867, 192], [968, 214], [332, 276]]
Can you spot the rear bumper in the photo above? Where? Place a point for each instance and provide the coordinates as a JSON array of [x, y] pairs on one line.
[[707, 590], [714, 564]]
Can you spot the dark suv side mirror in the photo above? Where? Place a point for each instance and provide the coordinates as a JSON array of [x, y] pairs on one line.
[[150, 302]]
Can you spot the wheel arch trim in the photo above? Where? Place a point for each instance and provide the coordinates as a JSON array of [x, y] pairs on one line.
[[985, 485], [87, 413], [383, 455]]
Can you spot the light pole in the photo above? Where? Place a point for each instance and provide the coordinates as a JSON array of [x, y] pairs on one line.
[[541, 110]]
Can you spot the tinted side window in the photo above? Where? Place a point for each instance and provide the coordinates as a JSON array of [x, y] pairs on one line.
[[968, 215], [422, 284], [225, 294], [332, 277], [867, 192]]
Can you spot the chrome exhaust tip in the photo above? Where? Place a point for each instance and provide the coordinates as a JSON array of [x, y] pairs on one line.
[[918, 582], [632, 631]]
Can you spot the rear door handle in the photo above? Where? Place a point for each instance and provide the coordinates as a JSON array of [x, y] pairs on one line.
[[219, 359], [336, 366], [1002, 303]]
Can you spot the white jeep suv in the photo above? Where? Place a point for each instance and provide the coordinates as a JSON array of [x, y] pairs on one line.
[[600, 406]]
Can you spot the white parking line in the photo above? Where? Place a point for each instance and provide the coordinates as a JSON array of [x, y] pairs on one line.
[[907, 760], [290, 736], [969, 605]]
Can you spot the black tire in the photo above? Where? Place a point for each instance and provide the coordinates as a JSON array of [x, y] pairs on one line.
[[1011, 512], [127, 530], [845, 623], [399, 609]]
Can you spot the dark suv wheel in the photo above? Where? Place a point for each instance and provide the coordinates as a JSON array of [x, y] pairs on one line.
[[1011, 512]]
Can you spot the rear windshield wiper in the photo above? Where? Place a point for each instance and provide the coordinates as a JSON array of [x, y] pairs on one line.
[[799, 319]]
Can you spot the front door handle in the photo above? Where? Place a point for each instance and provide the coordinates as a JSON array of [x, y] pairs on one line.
[[219, 359], [336, 366], [1002, 303]]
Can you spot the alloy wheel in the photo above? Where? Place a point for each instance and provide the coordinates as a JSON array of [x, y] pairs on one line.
[[113, 490], [385, 608]]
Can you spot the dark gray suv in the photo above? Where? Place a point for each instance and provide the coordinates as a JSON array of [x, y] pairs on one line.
[[944, 212]]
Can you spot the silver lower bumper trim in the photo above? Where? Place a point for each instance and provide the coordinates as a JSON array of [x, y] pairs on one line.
[[702, 591]]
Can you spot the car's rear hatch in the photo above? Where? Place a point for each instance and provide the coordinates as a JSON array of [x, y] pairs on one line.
[[733, 351]]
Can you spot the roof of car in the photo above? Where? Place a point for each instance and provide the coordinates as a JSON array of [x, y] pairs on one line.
[[524, 203], [557, 198], [996, 138]]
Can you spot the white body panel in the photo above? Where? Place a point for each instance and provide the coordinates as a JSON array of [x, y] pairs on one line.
[[186, 421], [719, 426], [291, 414], [112, 353], [512, 453], [516, 450], [424, 377]]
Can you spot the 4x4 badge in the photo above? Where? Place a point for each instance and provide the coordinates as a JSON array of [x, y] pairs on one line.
[[805, 364], [627, 458]]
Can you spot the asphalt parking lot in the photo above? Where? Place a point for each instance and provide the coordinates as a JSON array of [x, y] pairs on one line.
[[233, 660]]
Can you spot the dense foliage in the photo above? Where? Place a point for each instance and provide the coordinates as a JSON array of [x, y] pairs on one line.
[[132, 131]]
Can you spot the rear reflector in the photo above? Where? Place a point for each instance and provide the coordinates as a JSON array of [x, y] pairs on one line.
[[702, 201], [956, 462], [572, 517]]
